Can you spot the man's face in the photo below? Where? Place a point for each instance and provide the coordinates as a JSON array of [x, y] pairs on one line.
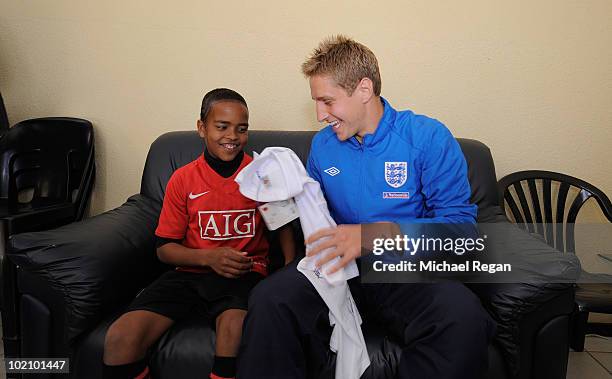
[[336, 107], [225, 129]]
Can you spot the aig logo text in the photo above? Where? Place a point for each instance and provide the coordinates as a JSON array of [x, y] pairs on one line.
[[227, 225]]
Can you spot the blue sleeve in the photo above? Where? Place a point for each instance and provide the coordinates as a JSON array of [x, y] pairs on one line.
[[312, 168], [444, 180]]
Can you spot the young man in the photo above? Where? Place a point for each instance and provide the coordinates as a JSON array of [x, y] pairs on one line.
[[442, 326]]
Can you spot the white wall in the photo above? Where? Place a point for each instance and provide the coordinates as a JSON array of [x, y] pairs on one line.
[[533, 80]]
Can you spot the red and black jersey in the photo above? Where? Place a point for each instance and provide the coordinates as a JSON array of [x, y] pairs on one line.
[[206, 210]]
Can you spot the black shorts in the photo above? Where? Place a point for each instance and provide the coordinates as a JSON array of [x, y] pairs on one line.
[[179, 294]]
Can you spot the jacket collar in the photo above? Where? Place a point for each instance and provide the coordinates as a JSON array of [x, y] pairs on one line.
[[383, 128]]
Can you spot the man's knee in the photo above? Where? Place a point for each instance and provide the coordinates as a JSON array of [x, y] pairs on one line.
[[283, 287], [461, 309]]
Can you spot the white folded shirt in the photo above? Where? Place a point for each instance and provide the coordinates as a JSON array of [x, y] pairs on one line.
[[278, 174]]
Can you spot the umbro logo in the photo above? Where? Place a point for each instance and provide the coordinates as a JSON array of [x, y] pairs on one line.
[[332, 171], [193, 196]]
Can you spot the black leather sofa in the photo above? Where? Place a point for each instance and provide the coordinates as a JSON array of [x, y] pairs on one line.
[[76, 279]]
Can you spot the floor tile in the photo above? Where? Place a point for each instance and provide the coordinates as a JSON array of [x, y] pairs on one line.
[[600, 317], [604, 359], [598, 344], [582, 365]]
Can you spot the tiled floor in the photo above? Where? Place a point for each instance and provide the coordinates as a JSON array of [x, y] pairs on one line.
[[594, 363]]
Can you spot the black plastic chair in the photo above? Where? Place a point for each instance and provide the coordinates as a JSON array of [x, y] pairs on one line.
[[4, 122], [47, 172], [529, 202]]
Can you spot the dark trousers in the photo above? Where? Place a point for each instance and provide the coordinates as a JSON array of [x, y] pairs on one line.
[[442, 327]]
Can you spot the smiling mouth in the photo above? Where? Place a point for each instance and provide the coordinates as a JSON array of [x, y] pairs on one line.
[[335, 124], [230, 146]]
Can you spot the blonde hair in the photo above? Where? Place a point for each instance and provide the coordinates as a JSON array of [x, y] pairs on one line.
[[346, 61]]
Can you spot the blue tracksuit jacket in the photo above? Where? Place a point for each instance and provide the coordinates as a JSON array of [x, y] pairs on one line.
[[410, 170]]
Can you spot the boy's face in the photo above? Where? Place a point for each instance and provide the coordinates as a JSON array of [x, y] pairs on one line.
[[225, 129], [334, 106]]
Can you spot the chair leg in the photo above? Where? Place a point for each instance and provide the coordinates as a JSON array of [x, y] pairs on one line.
[[578, 330]]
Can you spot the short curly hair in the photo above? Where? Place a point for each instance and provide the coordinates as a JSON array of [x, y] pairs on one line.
[[346, 61], [219, 94]]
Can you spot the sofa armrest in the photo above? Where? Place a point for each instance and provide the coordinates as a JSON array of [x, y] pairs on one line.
[[515, 306], [95, 265], [540, 290]]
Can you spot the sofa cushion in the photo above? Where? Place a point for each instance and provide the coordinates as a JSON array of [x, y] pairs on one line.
[[186, 350]]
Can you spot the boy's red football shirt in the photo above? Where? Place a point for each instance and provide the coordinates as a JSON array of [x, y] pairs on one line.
[[206, 210]]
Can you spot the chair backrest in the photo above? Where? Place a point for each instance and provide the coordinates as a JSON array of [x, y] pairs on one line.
[[4, 122], [47, 161], [548, 203], [175, 149]]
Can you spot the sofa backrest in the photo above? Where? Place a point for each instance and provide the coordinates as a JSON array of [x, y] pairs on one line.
[[482, 178], [175, 149]]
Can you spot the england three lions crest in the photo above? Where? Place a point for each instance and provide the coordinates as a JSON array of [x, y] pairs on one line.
[[396, 173]]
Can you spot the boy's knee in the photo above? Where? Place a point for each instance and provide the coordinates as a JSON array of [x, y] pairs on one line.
[[232, 317], [230, 322], [117, 337], [122, 344]]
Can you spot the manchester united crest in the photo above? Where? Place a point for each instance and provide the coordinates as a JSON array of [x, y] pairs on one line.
[[396, 173]]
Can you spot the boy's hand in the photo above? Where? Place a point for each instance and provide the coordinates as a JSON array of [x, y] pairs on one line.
[[228, 262]]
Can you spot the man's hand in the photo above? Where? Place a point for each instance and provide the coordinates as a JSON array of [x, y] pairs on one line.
[[344, 240], [228, 262]]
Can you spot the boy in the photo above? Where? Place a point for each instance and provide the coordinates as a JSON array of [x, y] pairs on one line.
[[214, 236]]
